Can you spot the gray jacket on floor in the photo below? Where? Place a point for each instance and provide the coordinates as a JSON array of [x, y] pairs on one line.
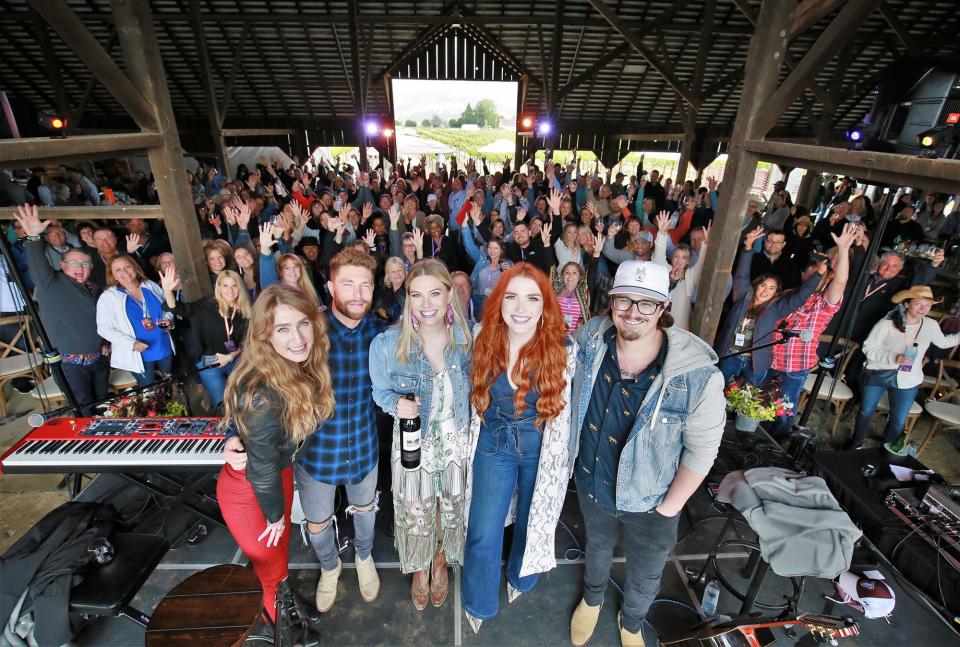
[[801, 527]]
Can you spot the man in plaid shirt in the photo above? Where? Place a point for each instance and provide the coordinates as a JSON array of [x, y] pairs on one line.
[[793, 360]]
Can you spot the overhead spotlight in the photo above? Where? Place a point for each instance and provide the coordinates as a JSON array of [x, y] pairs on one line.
[[526, 122], [53, 121], [854, 134], [526, 125], [940, 141], [388, 132], [371, 128], [544, 127]]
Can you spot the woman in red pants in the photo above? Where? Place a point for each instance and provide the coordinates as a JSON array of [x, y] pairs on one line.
[[278, 394]]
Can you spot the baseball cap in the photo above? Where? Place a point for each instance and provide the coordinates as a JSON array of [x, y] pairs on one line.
[[642, 278], [432, 197], [645, 235], [873, 597]]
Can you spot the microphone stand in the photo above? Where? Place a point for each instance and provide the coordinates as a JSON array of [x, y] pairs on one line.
[[847, 318], [782, 340]]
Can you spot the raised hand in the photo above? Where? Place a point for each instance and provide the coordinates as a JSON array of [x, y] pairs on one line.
[[344, 213], [598, 245], [418, 240], [243, 213], [712, 183], [370, 238], [619, 203], [553, 201], [134, 243], [476, 214], [168, 280], [299, 215], [29, 219], [521, 214], [847, 237], [631, 190], [545, 233], [230, 214], [266, 237], [937, 257], [706, 229], [752, 237], [367, 211], [394, 213], [663, 222]]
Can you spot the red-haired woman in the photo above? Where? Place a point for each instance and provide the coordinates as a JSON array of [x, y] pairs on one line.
[[522, 369]]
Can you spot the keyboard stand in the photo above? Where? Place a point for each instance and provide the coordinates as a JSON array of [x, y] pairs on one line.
[[183, 489]]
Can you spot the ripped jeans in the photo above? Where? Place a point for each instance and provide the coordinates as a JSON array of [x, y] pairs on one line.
[[317, 500]]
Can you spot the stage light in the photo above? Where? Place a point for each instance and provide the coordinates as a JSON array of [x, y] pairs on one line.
[[53, 121], [527, 122], [544, 128], [854, 135], [927, 141], [371, 128], [388, 132]]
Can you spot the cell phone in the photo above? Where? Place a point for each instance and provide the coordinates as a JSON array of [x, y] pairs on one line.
[[338, 204]]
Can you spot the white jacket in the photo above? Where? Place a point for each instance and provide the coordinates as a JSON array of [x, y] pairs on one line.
[[114, 326], [885, 342], [682, 293]]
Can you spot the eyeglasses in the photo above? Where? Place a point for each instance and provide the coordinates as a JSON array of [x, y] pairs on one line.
[[76, 264], [644, 307]]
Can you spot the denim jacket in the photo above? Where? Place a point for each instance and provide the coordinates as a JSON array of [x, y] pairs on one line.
[[680, 421], [392, 380]]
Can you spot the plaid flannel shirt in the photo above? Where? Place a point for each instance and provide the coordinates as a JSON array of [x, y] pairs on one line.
[[814, 315], [345, 448]]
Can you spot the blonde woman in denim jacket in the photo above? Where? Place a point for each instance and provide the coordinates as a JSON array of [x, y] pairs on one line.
[[427, 354]]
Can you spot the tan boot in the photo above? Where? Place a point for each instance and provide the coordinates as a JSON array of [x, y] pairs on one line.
[[368, 579], [629, 639], [327, 587], [583, 622]]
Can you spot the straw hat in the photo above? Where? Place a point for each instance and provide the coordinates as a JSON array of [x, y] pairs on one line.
[[916, 292]]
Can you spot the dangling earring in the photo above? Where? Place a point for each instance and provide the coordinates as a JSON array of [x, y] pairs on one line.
[[540, 324], [449, 316], [414, 321]]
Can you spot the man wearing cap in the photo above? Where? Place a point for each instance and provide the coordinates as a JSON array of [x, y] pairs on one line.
[[433, 205], [648, 415], [640, 250]]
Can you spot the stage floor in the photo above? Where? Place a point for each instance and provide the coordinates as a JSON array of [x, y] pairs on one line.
[[538, 618]]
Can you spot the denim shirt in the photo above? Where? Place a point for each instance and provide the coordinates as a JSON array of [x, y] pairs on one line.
[[392, 379], [680, 421]]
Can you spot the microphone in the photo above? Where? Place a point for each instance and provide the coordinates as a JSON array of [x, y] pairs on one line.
[[802, 335]]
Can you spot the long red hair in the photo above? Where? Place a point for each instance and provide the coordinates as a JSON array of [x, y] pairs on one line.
[[541, 362]]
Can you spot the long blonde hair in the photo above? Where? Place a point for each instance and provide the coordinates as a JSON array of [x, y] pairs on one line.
[[436, 269], [305, 284], [304, 390], [243, 299]]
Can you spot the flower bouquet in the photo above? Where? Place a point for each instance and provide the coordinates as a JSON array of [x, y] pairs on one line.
[[754, 405], [158, 402]]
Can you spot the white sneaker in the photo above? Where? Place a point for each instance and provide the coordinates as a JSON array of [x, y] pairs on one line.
[[368, 579], [327, 587]]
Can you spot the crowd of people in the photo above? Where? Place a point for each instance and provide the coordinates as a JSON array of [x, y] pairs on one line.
[[535, 320]]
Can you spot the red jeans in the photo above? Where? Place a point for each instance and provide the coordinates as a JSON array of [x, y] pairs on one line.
[[246, 522]]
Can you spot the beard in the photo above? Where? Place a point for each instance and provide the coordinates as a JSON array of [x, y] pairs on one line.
[[350, 312]]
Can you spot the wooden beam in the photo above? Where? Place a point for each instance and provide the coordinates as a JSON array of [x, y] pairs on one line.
[[866, 166], [835, 36], [142, 53], [637, 43], [75, 34], [764, 59], [210, 93], [234, 70], [52, 65], [119, 212], [899, 29], [256, 132], [810, 12], [360, 94], [18, 153], [614, 54]]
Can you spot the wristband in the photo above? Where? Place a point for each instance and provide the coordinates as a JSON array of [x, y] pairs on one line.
[[33, 238]]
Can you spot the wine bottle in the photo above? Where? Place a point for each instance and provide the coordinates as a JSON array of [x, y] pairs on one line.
[[410, 441]]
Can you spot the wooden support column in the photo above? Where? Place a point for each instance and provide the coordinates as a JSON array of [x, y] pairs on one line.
[[687, 146], [359, 88], [142, 52], [209, 92], [519, 147], [761, 73]]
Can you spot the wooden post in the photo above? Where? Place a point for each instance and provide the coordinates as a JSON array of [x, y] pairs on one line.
[[687, 146], [142, 52], [210, 93], [762, 71]]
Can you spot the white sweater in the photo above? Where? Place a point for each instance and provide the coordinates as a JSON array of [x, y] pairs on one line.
[[682, 293], [564, 255], [114, 326], [885, 342]]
